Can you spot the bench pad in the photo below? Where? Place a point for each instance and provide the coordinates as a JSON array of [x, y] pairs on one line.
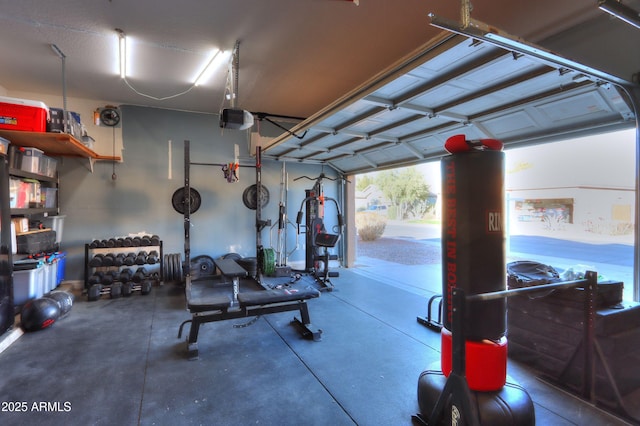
[[208, 303], [265, 297], [230, 268]]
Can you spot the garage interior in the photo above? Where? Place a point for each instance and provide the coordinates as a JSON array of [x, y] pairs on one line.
[[328, 89]]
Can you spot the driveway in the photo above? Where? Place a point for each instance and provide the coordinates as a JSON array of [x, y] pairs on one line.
[[408, 251]]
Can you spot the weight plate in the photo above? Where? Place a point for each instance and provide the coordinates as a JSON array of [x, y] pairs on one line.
[[268, 261], [165, 275], [234, 256], [177, 268], [202, 266], [174, 269], [179, 201], [170, 267], [249, 196]]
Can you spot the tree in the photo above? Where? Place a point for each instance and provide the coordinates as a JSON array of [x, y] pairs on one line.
[[407, 190], [362, 181]]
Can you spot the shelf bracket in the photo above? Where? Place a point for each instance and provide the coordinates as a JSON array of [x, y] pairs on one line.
[[91, 163]]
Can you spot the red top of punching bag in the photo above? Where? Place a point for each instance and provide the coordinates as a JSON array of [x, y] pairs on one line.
[[459, 143]]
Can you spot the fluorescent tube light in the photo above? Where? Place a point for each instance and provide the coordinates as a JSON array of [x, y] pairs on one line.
[[217, 57], [620, 11], [122, 53]]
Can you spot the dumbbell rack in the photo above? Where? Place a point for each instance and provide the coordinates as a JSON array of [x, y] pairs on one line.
[[115, 248]]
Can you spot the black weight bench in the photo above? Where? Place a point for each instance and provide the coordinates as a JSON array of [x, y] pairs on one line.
[[209, 308]]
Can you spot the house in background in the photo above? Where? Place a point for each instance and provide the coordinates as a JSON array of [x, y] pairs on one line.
[[371, 198], [587, 183]]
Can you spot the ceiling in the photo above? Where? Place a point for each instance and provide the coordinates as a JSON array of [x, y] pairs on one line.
[[298, 58]]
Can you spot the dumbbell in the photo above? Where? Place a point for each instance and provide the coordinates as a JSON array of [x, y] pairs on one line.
[[145, 287], [108, 259], [127, 289], [153, 257], [94, 293], [130, 259], [97, 290], [126, 275], [116, 290], [96, 278], [96, 261], [140, 275], [109, 277], [141, 258], [119, 259]]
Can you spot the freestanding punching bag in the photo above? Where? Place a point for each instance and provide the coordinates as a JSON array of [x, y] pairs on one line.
[[471, 386], [473, 258]]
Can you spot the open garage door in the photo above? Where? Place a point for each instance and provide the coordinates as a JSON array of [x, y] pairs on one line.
[[454, 84], [474, 81]]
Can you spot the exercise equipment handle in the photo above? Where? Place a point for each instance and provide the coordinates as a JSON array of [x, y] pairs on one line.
[[301, 213], [322, 176], [340, 219], [281, 217], [516, 291]]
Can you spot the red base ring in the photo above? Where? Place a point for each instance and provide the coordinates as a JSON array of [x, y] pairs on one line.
[[486, 362]]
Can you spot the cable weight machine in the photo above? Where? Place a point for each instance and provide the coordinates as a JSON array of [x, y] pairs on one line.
[[317, 239], [280, 250]]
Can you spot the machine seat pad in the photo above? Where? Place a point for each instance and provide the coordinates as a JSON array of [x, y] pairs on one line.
[[326, 240], [265, 297], [230, 268], [208, 303]]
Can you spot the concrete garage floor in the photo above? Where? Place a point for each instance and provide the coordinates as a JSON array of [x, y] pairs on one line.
[[119, 362]]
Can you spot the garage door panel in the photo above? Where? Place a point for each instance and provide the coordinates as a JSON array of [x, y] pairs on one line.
[[456, 85], [576, 107], [509, 124]]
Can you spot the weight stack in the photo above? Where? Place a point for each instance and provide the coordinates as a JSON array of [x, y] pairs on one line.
[[473, 259]]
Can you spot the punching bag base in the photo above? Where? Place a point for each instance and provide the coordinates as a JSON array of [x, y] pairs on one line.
[[485, 363], [509, 406]]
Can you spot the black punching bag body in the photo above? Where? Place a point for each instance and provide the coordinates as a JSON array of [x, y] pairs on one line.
[[473, 259]]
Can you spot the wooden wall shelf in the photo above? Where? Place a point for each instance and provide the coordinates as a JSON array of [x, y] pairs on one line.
[[54, 144]]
